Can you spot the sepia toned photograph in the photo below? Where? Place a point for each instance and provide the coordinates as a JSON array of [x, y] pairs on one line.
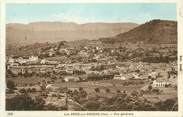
[[91, 57]]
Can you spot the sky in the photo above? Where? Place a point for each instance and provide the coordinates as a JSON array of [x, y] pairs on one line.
[[93, 12]]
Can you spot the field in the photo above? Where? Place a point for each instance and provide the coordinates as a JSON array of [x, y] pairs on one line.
[[103, 85]]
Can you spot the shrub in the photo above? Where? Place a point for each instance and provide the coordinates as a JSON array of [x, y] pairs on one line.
[[70, 92], [83, 94], [10, 91], [10, 84], [34, 90], [157, 91], [118, 91], [126, 83], [167, 105], [29, 90], [51, 107], [149, 87], [54, 95], [97, 90], [108, 90], [22, 90], [38, 103], [63, 89], [92, 105], [80, 88], [24, 102], [135, 93]]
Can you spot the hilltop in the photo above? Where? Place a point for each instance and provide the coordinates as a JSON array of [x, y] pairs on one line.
[[155, 32]]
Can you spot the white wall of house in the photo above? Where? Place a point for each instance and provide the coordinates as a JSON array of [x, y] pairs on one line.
[[159, 84], [119, 77]]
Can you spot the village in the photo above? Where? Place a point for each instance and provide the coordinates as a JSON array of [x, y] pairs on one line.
[[149, 70]]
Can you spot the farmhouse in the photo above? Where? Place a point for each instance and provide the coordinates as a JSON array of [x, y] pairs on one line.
[[15, 64], [51, 87], [33, 59], [23, 60], [15, 71], [43, 61], [82, 53], [157, 83], [11, 60], [153, 75], [119, 77], [71, 79]]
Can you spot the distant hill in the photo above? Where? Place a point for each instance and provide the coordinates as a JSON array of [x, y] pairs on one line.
[[40, 32], [155, 31]]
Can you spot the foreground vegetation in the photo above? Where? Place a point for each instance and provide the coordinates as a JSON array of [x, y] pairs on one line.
[[119, 101]]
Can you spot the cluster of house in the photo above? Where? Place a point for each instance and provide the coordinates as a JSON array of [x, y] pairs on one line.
[[98, 53], [16, 61], [27, 60], [119, 71], [96, 56]]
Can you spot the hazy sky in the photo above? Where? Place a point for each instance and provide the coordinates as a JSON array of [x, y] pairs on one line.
[[95, 12]]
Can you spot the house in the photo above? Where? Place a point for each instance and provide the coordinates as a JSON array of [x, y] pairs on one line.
[[23, 71], [69, 71], [159, 83], [11, 60], [119, 77], [86, 48], [30, 71], [15, 71], [22, 60], [71, 79], [43, 61], [50, 54], [51, 87], [15, 64], [33, 59], [43, 70], [52, 62], [97, 48], [82, 53], [163, 51], [153, 75]]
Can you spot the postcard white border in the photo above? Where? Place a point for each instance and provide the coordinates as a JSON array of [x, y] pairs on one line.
[[5, 113]]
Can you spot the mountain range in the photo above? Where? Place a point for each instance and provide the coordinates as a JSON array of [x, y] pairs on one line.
[[154, 31], [40, 32]]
